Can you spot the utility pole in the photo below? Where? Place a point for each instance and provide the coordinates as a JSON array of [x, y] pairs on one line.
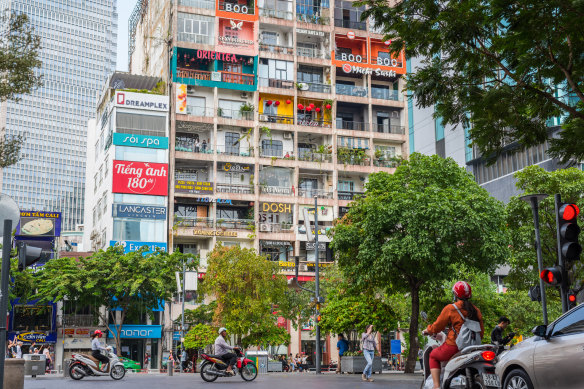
[[316, 286], [182, 317]]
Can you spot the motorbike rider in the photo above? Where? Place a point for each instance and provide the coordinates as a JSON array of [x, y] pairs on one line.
[[96, 348], [497, 333], [450, 317], [225, 351]]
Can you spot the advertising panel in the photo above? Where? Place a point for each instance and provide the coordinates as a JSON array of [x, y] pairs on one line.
[[130, 245], [142, 101], [235, 167], [39, 223], [144, 178], [139, 211], [193, 187], [151, 142], [181, 98], [137, 331], [29, 337]]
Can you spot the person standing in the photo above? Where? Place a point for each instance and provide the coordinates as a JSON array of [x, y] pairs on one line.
[[342, 347], [497, 333], [369, 345], [19, 349], [197, 145], [48, 359], [184, 360]]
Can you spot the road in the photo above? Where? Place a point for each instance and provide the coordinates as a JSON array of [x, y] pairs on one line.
[[190, 381]]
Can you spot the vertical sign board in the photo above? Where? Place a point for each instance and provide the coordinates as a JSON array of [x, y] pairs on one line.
[[395, 346], [143, 178]]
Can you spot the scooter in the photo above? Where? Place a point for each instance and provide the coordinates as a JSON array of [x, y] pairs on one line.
[[83, 365], [213, 367], [471, 368]]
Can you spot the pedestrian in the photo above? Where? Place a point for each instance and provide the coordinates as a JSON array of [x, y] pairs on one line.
[[369, 346], [184, 359], [297, 362], [146, 361], [48, 359], [197, 146], [497, 333], [342, 347], [292, 362], [19, 349], [11, 348]]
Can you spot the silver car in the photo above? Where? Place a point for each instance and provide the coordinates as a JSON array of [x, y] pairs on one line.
[[551, 359]]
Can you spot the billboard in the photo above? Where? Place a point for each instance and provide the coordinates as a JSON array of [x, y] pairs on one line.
[[139, 211], [142, 101], [130, 245], [143, 178], [39, 223], [193, 187], [151, 142]]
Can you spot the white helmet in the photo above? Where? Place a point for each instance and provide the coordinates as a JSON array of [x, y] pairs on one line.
[[222, 329]]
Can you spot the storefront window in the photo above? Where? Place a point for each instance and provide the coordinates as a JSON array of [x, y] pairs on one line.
[[139, 230], [32, 318]]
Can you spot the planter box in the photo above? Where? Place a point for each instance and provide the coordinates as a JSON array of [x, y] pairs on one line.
[[274, 366], [357, 364]]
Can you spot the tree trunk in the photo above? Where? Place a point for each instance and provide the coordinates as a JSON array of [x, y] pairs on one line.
[[414, 319]]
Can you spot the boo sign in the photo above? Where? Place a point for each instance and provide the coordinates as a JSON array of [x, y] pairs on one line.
[[143, 178]]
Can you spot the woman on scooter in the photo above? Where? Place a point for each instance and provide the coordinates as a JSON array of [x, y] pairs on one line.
[[450, 318], [96, 348]]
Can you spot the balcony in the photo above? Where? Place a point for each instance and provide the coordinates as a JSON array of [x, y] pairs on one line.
[[313, 19], [236, 224], [314, 123], [349, 195], [189, 144], [234, 188], [351, 90], [205, 75], [354, 126], [348, 156], [320, 193], [276, 190], [315, 157], [79, 320], [276, 49], [228, 6], [281, 119], [311, 53], [237, 78], [352, 24], [271, 153], [206, 4], [383, 162], [277, 14], [235, 151], [237, 114], [389, 129], [195, 110], [194, 222], [385, 94], [275, 83], [314, 87]]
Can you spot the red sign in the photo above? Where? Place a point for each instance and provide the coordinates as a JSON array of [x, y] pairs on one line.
[[144, 178], [351, 35], [346, 68], [68, 331], [82, 331], [225, 57]]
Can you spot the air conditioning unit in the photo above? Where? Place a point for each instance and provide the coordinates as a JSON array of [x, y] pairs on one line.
[[287, 135], [190, 89], [264, 227], [263, 118], [244, 95]]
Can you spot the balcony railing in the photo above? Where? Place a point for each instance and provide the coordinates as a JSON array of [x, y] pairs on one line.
[[315, 157], [276, 190], [194, 222], [316, 87], [389, 129], [320, 193], [195, 38], [314, 123], [311, 53], [271, 153], [355, 126], [385, 94], [349, 195], [236, 224], [277, 49], [274, 13], [194, 73], [200, 111], [79, 320], [282, 119], [276, 227], [237, 8], [235, 150], [314, 19], [206, 4], [275, 83], [352, 24], [351, 90], [234, 114], [238, 78], [190, 145], [384, 163], [234, 188]]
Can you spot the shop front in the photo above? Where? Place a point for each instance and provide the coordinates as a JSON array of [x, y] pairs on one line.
[[138, 340]]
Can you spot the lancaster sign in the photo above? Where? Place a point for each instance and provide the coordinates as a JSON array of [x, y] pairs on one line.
[[142, 101], [139, 211]]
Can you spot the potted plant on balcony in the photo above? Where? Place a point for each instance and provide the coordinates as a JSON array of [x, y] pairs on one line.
[[220, 112], [245, 111]]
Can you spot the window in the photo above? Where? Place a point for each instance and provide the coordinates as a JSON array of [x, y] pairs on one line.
[[272, 148], [571, 324], [309, 73], [139, 199], [269, 38], [353, 143], [270, 109], [131, 123], [232, 143], [383, 55], [195, 28], [345, 186], [140, 230], [386, 151], [232, 67], [230, 108]]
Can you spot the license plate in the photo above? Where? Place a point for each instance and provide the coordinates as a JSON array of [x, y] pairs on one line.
[[491, 380]]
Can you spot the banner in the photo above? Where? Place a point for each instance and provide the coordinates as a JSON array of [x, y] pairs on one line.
[[193, 187], [181, 98], [151, 142], [144, 178], [39, 223], [130, 245], [139, 211]]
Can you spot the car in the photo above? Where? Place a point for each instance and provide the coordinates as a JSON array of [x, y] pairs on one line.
[[129, 364], [551, 359]]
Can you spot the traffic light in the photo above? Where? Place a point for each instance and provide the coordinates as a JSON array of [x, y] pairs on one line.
[[572, 299], [534, 293], [28, 255], [318, 318], [568, 232], [551, 275]]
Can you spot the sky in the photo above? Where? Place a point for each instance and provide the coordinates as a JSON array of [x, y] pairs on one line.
[[125, 8]]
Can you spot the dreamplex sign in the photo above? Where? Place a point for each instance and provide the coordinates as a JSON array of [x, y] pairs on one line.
[[142, 101]]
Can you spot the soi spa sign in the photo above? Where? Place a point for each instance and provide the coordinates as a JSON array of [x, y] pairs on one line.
[[145, 178]]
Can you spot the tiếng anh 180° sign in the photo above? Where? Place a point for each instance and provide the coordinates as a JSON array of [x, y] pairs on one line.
[[145, 178]]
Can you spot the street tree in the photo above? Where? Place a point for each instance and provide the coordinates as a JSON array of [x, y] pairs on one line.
[[569, 183], [203, 314], [200, 336], [19, 65], [413, 228], [503, 69], [114, 284]]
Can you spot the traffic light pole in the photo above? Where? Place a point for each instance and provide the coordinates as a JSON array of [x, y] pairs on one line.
[[6, 246], [316, 286], [564, 283], [535, 208]]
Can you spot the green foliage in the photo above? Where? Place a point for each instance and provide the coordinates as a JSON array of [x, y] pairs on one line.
[[10, 149], [203, 314], [265, 335], [200, 336], [533, 179], [415, 226], [513, 65], [351, 156]]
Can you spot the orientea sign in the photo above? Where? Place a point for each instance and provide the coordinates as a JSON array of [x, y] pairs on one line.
[[145, 178]]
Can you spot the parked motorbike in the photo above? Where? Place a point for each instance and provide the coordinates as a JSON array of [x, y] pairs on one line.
[[83, 365], [471, 368], [213, 367]]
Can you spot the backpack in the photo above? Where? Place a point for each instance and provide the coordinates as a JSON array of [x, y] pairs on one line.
[[469, 334]]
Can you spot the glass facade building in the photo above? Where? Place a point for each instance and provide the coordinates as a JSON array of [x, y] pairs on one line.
[[79, 40]]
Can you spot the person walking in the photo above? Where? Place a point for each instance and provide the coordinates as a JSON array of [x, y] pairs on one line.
[[292, 362], [342, 347], [369, 346], [48, 359], [18, 351]]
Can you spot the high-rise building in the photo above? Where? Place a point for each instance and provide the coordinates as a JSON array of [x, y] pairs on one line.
[[79, 40], [273, 103]]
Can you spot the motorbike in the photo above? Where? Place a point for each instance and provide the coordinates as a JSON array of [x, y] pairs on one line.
[[83, 365], [213, 367], [471, 368]]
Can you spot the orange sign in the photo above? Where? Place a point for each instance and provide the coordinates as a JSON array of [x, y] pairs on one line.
[[82, 331]]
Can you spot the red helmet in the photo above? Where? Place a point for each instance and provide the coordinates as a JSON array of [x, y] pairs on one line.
[[98, 333], [462, 290]]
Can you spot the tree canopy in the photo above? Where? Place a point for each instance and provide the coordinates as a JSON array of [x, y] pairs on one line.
[[200, 336], [415, 227], [503, 69]]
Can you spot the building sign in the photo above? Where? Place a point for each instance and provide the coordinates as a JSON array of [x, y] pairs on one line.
[[151, 142], [37, 337], [139, 211], [142, 101], [131, 246], [360, 70], [136, 331], [274, 243], [278, 190], [230, 40], [235, 167], [351, 34], [144, 178], [216, 76], [237, 8], [82, 331], [311, 246], [193, 187], [232, 234], [309, 32], [276, 208], [39, 223], [181, 98], [215, 55]]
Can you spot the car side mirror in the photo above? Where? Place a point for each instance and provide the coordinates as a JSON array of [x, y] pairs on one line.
[[540, 331]]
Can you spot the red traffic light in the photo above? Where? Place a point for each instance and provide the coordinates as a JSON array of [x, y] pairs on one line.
[[572, 298], [551, 275], [318, 318], [569, 211]]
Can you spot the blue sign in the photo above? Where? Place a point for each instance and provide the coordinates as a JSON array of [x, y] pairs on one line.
[[395, 346], [29, 337], [151, 142], [136, 331], [130, 245], [139, 211], [176, 335]]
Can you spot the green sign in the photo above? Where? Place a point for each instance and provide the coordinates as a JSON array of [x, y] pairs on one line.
[[151, 142]]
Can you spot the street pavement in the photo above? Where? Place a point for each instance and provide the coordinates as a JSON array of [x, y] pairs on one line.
[[192, 381]]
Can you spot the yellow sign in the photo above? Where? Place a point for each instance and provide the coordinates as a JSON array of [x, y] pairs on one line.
[[277, 207], [215, 233]]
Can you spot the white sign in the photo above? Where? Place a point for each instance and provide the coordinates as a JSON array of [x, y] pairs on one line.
[[235, 41], [240, 9], [309, 32], [215, 76], [359, 70], [142, 101]]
